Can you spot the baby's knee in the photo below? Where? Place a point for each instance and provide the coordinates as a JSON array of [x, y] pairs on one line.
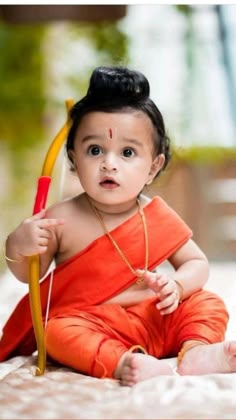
[[53, 335]]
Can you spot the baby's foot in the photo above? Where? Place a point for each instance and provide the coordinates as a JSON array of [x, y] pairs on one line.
[[204, 359], [135, 367]]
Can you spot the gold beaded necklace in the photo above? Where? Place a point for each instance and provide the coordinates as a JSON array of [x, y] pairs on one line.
[[143, 218]]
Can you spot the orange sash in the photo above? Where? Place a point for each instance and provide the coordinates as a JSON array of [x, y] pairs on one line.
[[98, 273]]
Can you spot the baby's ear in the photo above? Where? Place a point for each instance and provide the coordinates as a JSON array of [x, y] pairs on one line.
[[156, 166], [71, 155]]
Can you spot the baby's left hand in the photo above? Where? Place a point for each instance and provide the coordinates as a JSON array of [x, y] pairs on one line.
[[166, 290]]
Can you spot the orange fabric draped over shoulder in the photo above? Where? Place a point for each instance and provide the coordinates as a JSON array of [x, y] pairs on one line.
[[86, 278]]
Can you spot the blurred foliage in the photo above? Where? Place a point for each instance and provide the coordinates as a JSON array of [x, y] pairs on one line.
[[110, 41], [110, 44], [107, 38], [204, 154], [21, 84], [186, 9]]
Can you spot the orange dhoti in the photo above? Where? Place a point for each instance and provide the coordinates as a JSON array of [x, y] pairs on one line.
[[92, 341], [90, 336]]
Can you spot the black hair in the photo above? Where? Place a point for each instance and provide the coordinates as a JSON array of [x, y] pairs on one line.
[[114, 89]]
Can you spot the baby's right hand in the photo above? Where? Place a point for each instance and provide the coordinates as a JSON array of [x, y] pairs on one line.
[[32, 236]]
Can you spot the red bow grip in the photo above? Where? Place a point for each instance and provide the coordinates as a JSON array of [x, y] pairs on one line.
[[42, 193]]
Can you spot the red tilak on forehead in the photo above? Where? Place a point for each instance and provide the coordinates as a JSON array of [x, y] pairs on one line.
[[110, 133]]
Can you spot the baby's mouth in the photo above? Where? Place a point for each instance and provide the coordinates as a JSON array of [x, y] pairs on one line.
[[109, 183]]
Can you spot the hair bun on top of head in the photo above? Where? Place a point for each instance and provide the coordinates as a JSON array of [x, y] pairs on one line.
[[116, 88], [107, 82]]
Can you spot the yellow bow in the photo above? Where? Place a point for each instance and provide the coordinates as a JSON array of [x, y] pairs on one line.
[[40, 202]]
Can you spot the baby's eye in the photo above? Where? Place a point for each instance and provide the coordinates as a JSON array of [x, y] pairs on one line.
[[128, 152], [94, 150]]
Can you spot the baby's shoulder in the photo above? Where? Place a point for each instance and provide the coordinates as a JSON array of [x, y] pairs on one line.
[[66, 207]]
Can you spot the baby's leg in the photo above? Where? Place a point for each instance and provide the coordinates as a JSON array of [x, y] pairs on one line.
[[133, 368], [208, 358], [84, 344], [202, 317]]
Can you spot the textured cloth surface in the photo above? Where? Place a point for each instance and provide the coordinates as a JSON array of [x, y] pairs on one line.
[[63, 394]]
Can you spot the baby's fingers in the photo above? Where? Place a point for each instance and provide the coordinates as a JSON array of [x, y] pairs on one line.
[[150, 279], [169, 309], [168, 288], [169, 304], [43, 241], [47, 223]]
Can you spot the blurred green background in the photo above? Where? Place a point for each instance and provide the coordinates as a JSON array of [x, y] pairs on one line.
[[188, 54]]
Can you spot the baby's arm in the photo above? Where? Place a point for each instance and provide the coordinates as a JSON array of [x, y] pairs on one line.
[[190, 275], [35, 235], [191, 268]]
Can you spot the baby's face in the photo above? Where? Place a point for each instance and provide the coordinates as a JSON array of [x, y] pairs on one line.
[[113, 155]]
